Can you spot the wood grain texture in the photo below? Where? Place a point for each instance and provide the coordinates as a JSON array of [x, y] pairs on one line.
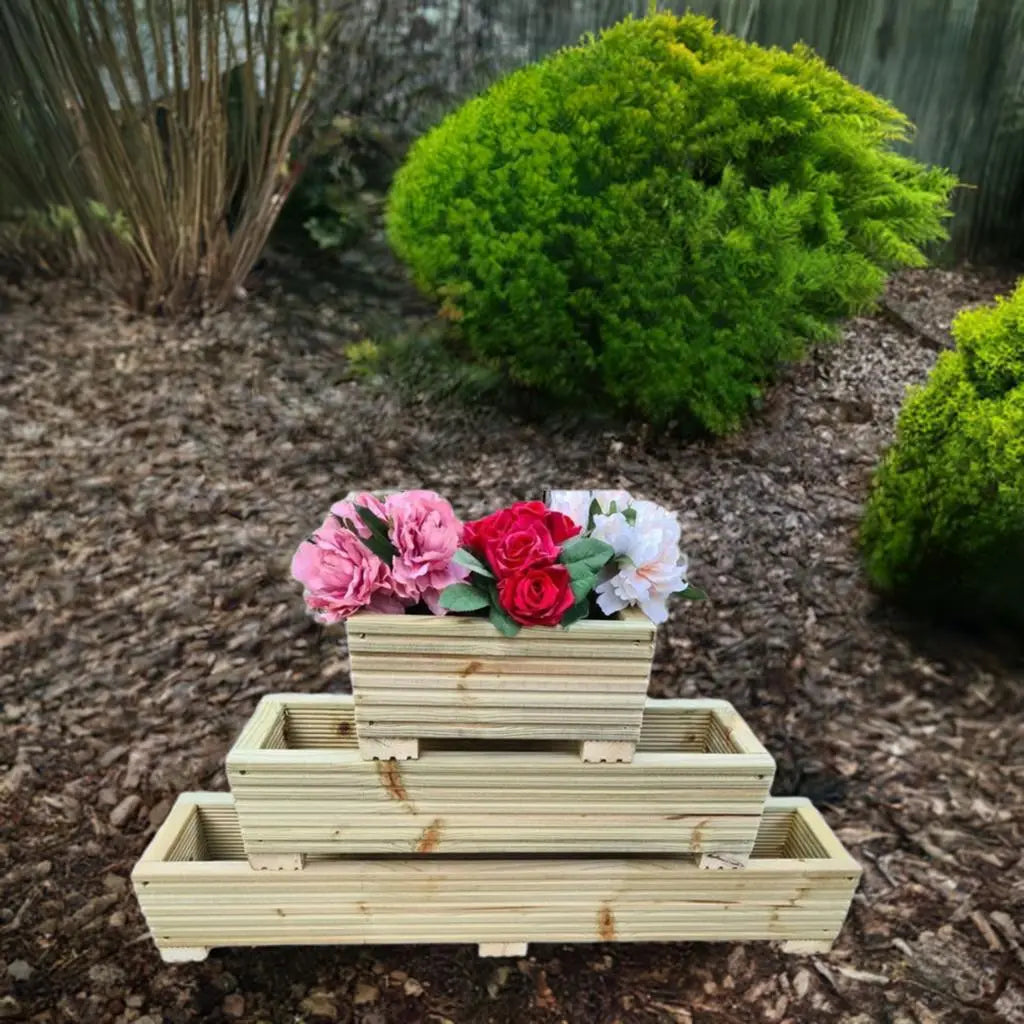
[[211, 897], [420, 677], [302, 788]]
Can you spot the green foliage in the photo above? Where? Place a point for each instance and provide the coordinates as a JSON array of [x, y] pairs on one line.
[[163, 127], [348, 163], [661, 216], [944, 526], [422, 369]]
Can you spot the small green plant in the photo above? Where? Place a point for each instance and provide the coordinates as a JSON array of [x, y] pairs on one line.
[[421, 367], [347, 165], [658, 218], [944, 525]]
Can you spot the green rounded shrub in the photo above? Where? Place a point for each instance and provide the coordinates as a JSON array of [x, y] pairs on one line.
[[658, 218], [944, 525]]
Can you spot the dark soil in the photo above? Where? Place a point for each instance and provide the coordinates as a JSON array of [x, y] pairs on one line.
[[156, 479]]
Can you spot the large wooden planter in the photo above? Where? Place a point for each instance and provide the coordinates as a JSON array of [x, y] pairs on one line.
[[197, 891], [419, 677], [697, 785]]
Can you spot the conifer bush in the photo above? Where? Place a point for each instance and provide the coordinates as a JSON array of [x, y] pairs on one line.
[[944, 525], [659, 217]]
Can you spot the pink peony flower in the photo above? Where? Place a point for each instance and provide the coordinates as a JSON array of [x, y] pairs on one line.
[[426, 534], [341, 576], [347, 510]]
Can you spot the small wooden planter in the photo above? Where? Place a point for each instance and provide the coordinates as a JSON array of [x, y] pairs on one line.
[[419, 677], [697, 785], [197, 891]]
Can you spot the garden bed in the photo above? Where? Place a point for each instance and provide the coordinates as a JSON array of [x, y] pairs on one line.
[[151, 471]]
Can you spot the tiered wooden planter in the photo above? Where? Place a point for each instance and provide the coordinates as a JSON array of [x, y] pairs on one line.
[[197, 891], [420, 677], [495, 830], [697, 785]]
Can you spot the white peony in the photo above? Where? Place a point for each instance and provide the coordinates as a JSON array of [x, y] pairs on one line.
[[648, 566], [576, 504]]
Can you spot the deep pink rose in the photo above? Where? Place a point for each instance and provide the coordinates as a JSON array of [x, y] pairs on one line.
[[482, 536], [426, 534], [538, 596], [526, 542], [341, 576]]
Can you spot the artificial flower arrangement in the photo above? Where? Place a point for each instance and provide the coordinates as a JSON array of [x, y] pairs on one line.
[[583, 554]]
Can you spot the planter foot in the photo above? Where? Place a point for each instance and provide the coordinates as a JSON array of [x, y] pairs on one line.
[[184, 954], [806, 947], [502, 948], [607, 750], [276, 861], [722, 861], [388, 749]]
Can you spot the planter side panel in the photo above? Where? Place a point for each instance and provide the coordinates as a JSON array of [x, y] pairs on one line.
[[457, 677], [438, 899], [461, 799]]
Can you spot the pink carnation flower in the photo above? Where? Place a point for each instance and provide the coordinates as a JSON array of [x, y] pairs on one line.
[[426, 534], [341, 576], [347, 510]]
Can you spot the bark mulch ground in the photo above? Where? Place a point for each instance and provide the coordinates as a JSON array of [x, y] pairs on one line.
[[155, 481]]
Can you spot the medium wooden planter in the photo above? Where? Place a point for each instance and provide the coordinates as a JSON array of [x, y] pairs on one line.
[[197, 891], [420, 677], [697, 785]]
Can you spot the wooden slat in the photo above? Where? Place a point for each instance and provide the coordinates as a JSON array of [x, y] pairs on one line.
[[204, 903], [702, 795], [417, 677]]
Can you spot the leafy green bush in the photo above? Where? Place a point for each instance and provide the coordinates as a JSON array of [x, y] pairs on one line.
[[661, 216], [944, 526]]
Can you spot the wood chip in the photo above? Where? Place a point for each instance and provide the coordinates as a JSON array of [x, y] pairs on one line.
[[987, 933]]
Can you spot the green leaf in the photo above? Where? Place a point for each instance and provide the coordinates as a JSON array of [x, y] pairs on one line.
[[378, 542], [463, 597], [594, 510], [382, 549], [580, 610], [692, 593], [577, 570], [471, 562], [629, 515], [589, 551], [502, 623], [373, 522], [583, 585]]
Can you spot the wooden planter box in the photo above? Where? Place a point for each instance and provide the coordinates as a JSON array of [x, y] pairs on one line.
[[697, 785], [419, 677], [197, 891]]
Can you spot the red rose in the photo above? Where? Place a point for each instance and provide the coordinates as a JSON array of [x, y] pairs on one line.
[[527, 543], [478, 534], [483, 536], [538, 596]]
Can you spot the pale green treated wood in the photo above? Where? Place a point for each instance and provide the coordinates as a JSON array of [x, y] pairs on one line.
[[300, 790], [797, 888]]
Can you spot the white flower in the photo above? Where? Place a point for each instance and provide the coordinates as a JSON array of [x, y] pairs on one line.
[[650, 565], [576, 504], [616, 531]]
